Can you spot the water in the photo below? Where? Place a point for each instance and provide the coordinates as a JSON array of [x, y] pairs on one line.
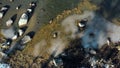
[[97, 32]]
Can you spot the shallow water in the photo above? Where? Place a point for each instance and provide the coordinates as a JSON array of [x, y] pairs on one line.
[[99, 27]]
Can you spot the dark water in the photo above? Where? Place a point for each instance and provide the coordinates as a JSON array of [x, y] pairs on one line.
[[48, 9], [45, 10]]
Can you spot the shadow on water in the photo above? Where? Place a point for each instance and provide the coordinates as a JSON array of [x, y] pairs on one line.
[[31, 13], [24, 28], [31, 34], [5, 11], [14, 17]]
